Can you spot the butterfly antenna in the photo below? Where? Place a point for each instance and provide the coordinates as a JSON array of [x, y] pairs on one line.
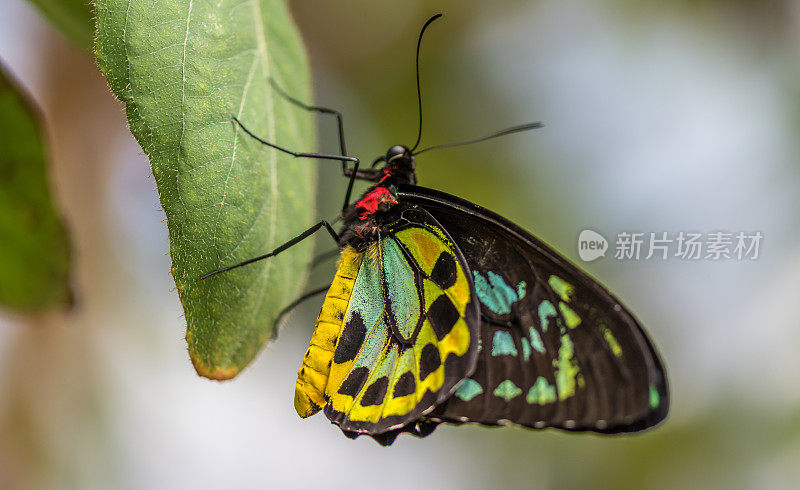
[[502, 132], [419, 91]]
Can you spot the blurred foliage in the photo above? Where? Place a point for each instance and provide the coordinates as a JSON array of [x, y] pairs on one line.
[[73, 17], [183, 70], [34, 248], [704, 452]]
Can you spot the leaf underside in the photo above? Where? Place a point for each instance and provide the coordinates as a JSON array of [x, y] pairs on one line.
[[183, 70], [34, 247]]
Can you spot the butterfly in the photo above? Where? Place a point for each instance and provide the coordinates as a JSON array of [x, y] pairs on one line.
[[442, 311]]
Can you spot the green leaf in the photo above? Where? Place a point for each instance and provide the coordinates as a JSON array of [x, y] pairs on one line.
[[183, 70], [34, 248], [73, 17]]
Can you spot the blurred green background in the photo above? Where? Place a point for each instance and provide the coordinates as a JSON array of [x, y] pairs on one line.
[[669, 116]]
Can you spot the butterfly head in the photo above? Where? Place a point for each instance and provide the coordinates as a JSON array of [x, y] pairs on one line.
[[397, 153], [399, 166]]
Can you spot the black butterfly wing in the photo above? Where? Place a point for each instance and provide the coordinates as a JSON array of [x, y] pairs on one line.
[[557, 348]]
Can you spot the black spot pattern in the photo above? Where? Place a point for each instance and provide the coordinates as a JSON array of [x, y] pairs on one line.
[[430, 360], [352, 385], [405, 385], [442, 315], [444, 271], [376, 392], [351, 340]]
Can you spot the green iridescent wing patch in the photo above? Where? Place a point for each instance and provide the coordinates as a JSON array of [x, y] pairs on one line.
[[409, 332], [556, 348]]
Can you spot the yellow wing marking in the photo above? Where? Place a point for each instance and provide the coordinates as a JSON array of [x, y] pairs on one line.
[[312, 378], [426, 245], [379, 356]]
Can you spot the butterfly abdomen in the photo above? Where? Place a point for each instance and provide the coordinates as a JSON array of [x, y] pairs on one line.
[[312, 378]]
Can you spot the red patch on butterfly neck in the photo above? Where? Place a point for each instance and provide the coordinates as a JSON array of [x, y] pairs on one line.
[[372, 201], [386, 175]]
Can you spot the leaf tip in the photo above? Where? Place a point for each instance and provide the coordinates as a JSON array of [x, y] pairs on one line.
[[216, 373]]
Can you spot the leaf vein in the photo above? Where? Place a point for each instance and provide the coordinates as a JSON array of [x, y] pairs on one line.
[[272, 217], [183, 104], [245, 89]]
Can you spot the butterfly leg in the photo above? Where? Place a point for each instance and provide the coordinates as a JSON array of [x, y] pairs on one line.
[[314, 108], [291, 243], [351, 173], [322, 156]]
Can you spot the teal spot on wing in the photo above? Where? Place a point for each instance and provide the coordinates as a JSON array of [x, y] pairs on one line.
[[384, 364], [366, 288], [526, 350], [561, 287], [655, 398], [493, 292], [372, 350], [546, 311], [399, 280], [521, 289], [367, 285], [536, 340], [468, 389], [507, 390], [541, 392], [503, 344]]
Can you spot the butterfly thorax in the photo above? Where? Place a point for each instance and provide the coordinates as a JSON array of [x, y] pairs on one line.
[[367, 219]]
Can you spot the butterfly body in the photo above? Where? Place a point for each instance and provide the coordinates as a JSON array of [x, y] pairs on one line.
[[399, 326], [442, 311], [376, 209]]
